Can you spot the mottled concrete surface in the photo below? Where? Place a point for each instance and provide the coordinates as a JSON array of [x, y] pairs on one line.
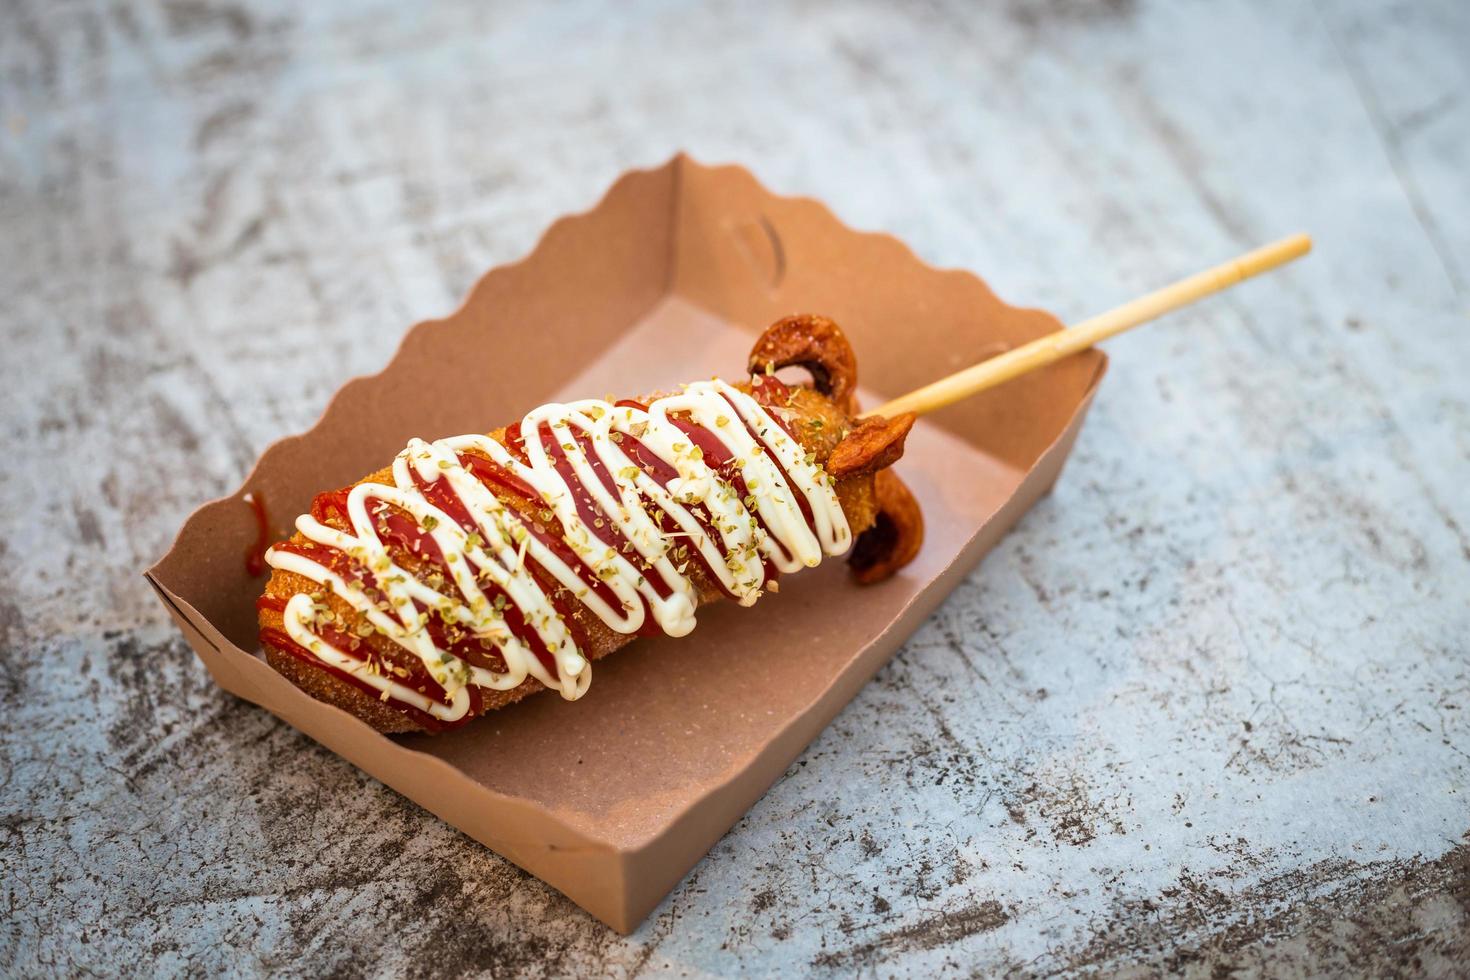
[[1208, 708]]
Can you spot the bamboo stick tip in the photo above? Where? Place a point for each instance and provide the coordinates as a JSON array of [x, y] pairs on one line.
[[1053, 347], [1277, 253]]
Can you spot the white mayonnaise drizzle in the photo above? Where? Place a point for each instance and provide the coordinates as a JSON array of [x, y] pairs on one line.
[[497, 552]]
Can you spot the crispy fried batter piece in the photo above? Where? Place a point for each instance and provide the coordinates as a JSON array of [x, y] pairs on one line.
[[896, 535], [816, 344], [871, 445]]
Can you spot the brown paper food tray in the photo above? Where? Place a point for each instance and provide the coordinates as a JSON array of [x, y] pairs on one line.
[[612, 799]]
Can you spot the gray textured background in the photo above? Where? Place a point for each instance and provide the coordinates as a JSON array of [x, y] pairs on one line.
[[1209, 706]]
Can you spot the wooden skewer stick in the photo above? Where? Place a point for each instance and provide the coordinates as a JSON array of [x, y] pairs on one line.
[[1064, 343]]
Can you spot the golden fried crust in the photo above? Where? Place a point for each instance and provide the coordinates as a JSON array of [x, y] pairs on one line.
[[329, 688], [896, 536], [815, 343], [873, 444], [815, 422]]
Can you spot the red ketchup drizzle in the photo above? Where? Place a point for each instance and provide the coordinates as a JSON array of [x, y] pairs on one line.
[[781, 392], [615, 534], [729, 470], [281, 641], [608, 534], [332, 503], [402, 533], [255, 556], [493, 475], [349, 570], [334, 560], [515, 443], [439, 493], [470, 648], [718, 458], [662, 474], [773, 394], [401, 530], [418, 678]]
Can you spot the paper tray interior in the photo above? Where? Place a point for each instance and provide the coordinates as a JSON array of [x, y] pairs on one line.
[[613, 798]]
